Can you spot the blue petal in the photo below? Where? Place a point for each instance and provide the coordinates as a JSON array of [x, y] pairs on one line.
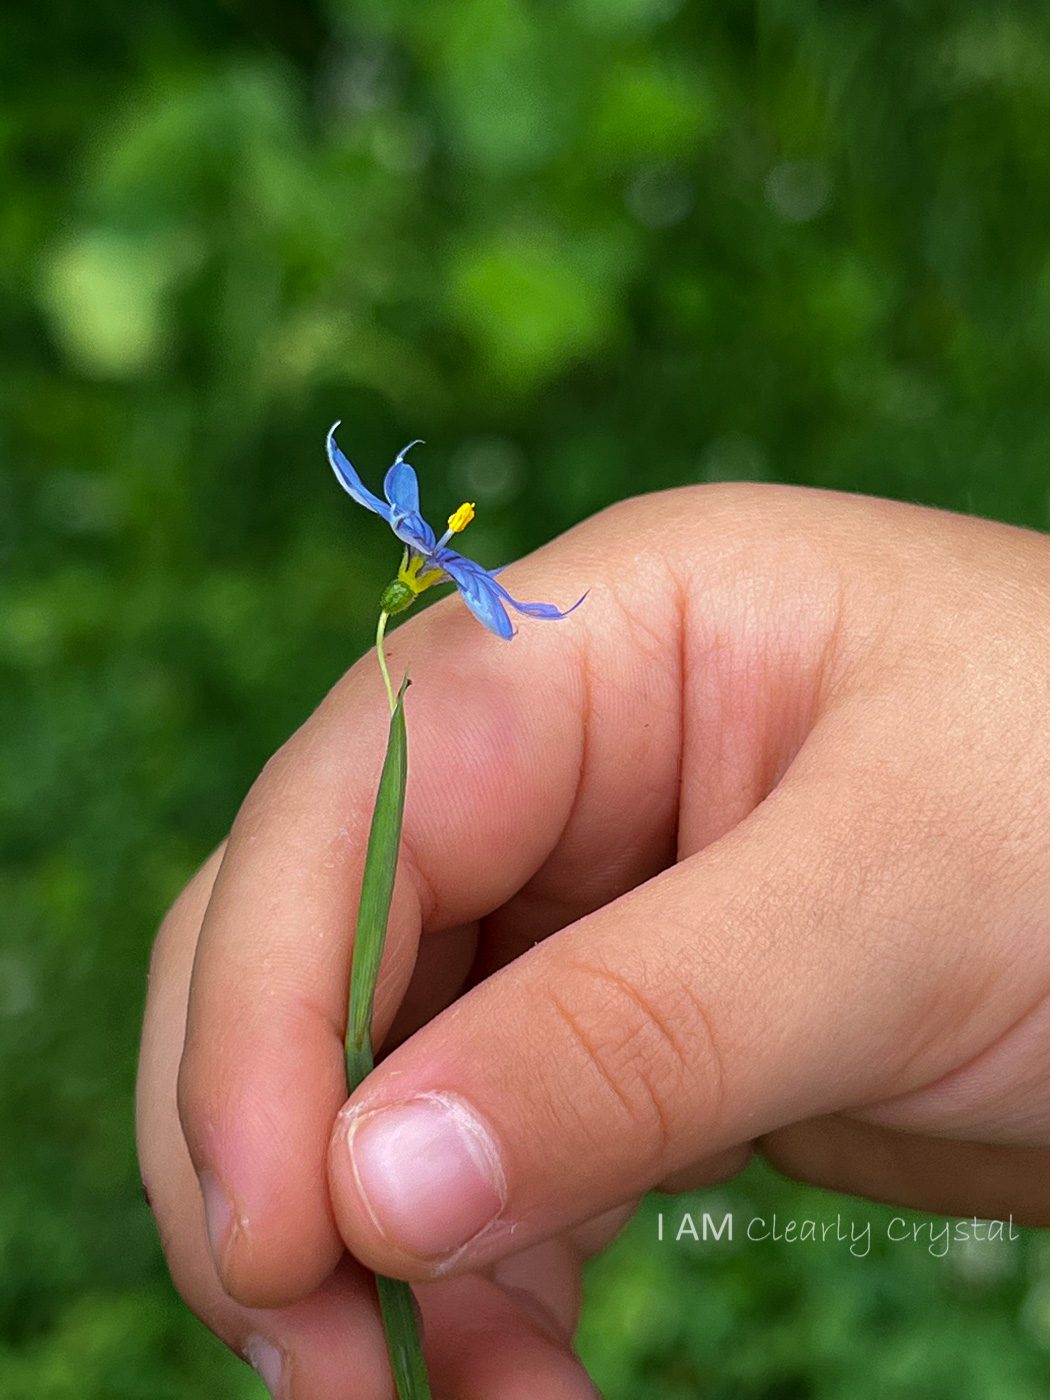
[[413, 530], [350, 481], [535, 609], [400, 487], [480, 592]]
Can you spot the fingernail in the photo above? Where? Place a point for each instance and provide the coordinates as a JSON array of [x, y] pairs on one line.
[[428, 1173], [218, 1216], [268, 1361]]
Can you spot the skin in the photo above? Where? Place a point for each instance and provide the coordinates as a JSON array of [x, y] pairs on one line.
[[749, 854]]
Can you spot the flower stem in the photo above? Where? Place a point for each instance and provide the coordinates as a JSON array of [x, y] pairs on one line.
[[384, 617]]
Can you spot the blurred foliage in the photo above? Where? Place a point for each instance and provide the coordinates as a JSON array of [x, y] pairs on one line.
[[721, 1319], [586, 248]]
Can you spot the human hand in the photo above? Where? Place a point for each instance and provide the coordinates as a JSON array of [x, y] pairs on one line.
[[753, 853]]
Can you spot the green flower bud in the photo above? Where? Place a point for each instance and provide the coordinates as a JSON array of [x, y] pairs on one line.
[[396, 597]]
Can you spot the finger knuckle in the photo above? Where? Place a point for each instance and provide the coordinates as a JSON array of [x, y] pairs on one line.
[[648, 1056]]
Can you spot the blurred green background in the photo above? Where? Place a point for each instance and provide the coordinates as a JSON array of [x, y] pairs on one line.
[[585, 248]]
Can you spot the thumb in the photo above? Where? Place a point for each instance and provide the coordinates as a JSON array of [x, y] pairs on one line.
[[749, 986]]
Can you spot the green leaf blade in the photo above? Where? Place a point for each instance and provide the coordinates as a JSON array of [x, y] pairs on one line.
[[396, 1303]]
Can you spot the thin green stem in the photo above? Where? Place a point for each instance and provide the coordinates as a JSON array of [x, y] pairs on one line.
[[384, 617]]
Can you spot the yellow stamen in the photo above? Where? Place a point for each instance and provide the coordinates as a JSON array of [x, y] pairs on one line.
[[460, 519]]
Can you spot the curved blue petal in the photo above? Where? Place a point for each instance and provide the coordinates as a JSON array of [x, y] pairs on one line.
[[400, 486], [535, 609], [478, 591], [350, 481]]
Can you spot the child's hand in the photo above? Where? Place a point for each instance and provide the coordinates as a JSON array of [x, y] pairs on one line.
[[754, 849]]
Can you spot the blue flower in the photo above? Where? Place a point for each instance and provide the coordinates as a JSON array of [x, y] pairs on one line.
[[428, 560]]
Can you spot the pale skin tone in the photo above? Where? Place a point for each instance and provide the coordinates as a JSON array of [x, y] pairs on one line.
[[751, 853]]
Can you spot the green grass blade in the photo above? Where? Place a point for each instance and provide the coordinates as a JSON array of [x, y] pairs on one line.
[[377, 887], [402, 1338]]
